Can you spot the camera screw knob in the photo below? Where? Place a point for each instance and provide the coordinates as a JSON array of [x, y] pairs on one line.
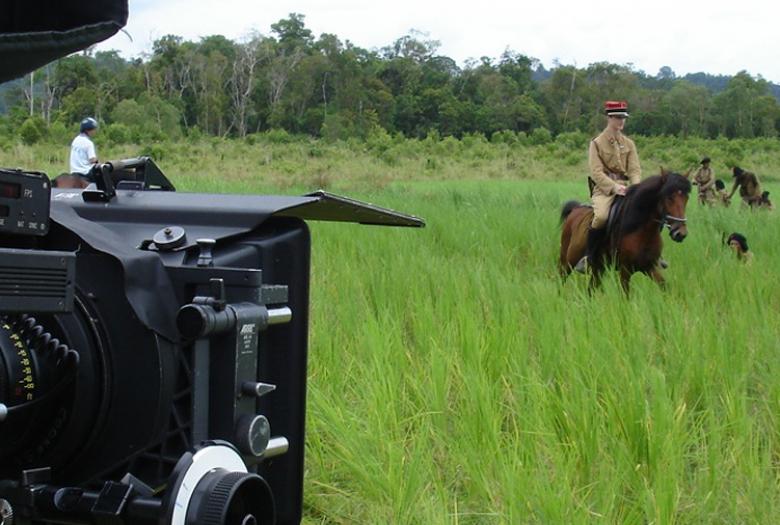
[[252, 435], [170, 238]]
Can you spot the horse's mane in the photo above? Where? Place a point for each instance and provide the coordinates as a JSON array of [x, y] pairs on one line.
[[642, 199]]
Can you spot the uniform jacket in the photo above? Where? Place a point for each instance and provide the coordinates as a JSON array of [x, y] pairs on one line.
[[613, 159], [704, 179]]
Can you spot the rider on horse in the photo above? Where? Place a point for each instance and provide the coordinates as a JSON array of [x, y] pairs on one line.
[[82, 150], [614, 164]]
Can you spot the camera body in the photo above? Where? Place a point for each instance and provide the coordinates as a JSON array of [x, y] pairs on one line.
[[161, 375]]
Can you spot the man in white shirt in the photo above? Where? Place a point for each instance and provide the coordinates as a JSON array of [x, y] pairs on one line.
[[82, 150]]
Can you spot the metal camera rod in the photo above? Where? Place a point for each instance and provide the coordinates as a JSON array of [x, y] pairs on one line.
[[225, 345]]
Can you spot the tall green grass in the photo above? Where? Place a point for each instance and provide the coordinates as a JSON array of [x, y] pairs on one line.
[[455, 379]]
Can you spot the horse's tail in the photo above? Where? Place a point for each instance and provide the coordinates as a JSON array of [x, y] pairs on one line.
[[568, 208]]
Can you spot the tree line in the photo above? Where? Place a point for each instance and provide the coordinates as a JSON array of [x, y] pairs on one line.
[[326, 87]]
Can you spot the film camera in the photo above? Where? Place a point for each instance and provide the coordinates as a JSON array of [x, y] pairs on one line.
[[153, 349], [153, 344]]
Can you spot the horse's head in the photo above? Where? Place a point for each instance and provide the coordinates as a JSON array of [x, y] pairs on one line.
[[674, 198]]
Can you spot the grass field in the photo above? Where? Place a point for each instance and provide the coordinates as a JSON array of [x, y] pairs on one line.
[[455, 379]]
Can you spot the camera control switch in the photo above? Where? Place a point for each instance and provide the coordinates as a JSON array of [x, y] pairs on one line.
[[252, 435]]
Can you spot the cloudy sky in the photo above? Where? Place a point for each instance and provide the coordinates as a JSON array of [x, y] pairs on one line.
[[715, 37]]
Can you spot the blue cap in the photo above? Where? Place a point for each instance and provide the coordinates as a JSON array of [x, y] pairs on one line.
[[88, 123]]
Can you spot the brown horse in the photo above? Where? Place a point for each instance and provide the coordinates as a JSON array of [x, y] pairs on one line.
[[633, 243], [69, 181]]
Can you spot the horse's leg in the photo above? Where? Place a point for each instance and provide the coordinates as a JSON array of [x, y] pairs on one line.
[[656, 275], [596, 273], [564, 268], [569, 245], [625, 279]]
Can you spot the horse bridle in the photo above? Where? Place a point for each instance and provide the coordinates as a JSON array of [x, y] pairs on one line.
[[665, 218]]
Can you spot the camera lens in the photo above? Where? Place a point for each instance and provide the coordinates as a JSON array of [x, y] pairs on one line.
[[33, 367], [18, 367]]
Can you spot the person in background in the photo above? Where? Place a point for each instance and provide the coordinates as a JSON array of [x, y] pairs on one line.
[[738, 243], [82, 150], [705, 180], [765, 202], [614, 164], [723, 196], [749, 187]]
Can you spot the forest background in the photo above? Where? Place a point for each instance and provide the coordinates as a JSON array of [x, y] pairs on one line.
[[325, 87]]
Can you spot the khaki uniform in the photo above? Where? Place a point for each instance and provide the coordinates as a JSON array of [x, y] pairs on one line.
[[706, 182], [612, 159], [749, 188]]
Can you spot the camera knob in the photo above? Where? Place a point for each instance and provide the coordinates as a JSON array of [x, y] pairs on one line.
[[205, 255], [6, 513], [228, 498], [252, 435], [170, 238]]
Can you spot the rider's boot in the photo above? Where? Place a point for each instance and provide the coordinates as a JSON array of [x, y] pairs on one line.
[[594, 240]]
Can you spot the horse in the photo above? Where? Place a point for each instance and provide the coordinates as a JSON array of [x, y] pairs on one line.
[[69, 181], [633, 242]]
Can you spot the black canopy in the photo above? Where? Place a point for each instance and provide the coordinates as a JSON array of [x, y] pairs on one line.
[[35, 32]]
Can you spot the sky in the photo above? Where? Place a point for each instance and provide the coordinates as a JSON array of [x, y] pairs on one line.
[[714, 37]]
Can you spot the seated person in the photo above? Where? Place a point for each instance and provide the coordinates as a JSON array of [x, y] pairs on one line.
[[82, 150]]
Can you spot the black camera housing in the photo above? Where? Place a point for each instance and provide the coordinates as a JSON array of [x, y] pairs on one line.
[[187, 330]]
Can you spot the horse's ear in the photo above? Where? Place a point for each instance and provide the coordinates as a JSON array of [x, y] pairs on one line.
[[663, 171], [664, 174]]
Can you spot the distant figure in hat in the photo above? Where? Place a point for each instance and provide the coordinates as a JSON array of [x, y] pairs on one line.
[[614, 165], [749, 187], [82, 150], [738, 243], [723, 195], [705, 180]]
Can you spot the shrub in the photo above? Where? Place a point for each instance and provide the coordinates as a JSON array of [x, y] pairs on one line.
[[540, 136], [117, 133], [195, 135], [150, 118], [32, 130], [573, 139], [473, 139], [379, 140], [60, 134], [506, 136], [278, 136], [155, 151]]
